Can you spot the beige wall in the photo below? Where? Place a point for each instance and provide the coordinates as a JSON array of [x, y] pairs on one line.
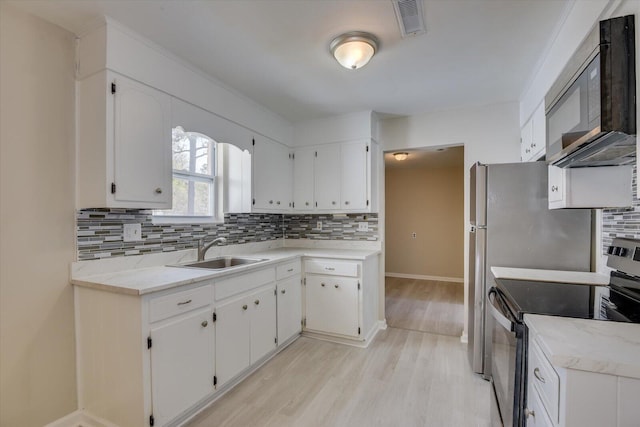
[[37, 351], [429, 202]]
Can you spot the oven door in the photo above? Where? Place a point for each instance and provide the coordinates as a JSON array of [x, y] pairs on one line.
[[507, 363]]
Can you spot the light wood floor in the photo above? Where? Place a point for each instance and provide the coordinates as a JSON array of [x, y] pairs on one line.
[[425, 305], [406, 377]]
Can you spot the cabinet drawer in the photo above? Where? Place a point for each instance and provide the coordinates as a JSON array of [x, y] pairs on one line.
[[331, 267], [543, 378], [244, 282], [167, 306], [288, 269]]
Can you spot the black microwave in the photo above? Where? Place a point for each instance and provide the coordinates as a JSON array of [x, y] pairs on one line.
[[591, 108]]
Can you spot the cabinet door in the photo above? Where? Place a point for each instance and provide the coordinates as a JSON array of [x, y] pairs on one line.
[[539, 133], [526, 139], [354, 158], [556, 184], [263, 323], [332, 305], [232, 339], [142, 139], [182, 361], [272, 169], [289, 308], [303, 179], [327, 177]]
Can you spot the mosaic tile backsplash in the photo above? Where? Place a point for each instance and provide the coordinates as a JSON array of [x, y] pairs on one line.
[[100, 231], [622, 222]]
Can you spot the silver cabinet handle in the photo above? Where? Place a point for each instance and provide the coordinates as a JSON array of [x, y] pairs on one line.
[[204, 324], [536, 373], [336, 286], [256, 302], [158, 190], [283, 291], [244, 307], [554, 188], [290, 270], [184, 302]]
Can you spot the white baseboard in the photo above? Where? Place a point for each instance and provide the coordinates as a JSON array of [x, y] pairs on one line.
[[423, 277], [80, 418]]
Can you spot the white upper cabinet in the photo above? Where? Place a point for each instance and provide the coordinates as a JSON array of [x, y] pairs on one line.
[[327, 177], [334, 177], [601, 187], [303, 179], [124, 144], [272, 175], [533, 136]]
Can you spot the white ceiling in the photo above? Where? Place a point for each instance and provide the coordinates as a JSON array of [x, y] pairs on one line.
[[475, 52]]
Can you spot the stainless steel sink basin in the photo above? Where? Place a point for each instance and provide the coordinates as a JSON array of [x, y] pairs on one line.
[[221, 263]]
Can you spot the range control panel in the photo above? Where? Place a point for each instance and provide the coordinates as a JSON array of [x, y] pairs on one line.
[[624, 255]]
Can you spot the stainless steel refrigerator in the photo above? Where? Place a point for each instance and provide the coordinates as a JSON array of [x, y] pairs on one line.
[[512, 226]]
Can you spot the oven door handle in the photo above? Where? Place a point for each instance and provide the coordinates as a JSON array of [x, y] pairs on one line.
[[500, 318]]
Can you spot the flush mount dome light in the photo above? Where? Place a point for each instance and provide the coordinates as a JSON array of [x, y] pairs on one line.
[[353, 50], [401, 156]]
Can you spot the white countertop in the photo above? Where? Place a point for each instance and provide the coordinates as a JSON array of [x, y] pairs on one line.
[[560, 276], [605, 347], [140, 281]]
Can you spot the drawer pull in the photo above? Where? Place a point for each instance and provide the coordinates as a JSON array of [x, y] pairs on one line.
[[284, 291], [184, 302], [329, 268], [244, 307], [336, 286], [290, 270], [322, 284], [257, 302], [158, 190], [204, 324], [536, 373], [528, 412]]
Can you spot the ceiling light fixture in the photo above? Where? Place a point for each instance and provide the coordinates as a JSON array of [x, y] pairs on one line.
[[401, 156], [354, 50]]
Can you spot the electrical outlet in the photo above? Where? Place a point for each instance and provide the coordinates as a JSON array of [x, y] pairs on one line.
[[363, 226], [414, 235], [319, 225], [132, 232]]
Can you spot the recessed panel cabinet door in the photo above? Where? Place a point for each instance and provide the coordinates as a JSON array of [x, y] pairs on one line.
[[303, 179], [233, 326], [289, 308], [142, 136], [354, 176], [327, 177], [263, 323], [182, 361], [332, 305]]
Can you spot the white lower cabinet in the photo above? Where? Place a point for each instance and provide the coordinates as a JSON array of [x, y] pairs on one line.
[[562, 397], [289, 301], [333, 305], [182, 361], [341, 299], [245, 323]]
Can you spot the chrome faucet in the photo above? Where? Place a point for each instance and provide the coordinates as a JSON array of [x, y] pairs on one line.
[[202, 248]]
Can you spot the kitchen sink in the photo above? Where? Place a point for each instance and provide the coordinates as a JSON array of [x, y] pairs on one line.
[[221, 263]]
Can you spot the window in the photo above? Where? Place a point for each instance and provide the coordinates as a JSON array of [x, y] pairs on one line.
[[194, 179]]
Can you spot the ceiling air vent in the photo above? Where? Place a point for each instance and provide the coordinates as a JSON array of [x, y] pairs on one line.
[[410, 17]]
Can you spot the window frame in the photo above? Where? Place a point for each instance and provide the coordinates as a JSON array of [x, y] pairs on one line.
[[159, 217]]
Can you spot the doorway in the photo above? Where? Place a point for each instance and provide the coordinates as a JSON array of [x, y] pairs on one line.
[[424, 240]]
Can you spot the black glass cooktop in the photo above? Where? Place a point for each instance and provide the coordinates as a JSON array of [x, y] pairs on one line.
[[550, 298]]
